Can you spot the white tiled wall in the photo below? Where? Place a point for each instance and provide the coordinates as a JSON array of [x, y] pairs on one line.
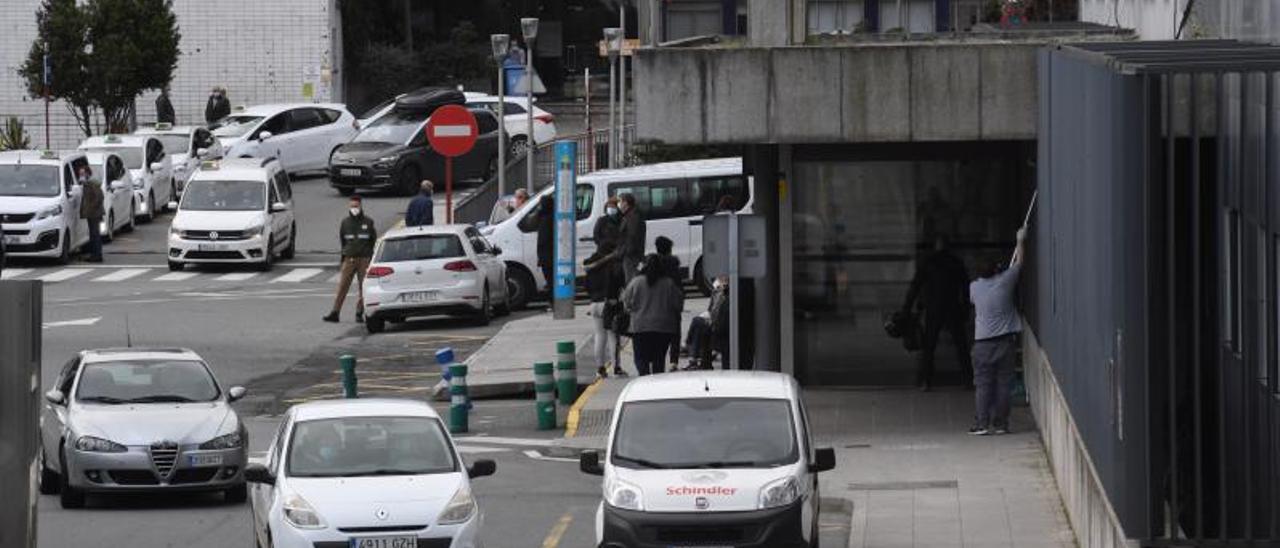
[[262, 51]]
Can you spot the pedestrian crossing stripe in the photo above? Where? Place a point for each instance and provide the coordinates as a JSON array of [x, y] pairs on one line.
[[298, 275], [11, 273], [156, 274], [64, 274], [177, 276], [121, 275], [236, 276]]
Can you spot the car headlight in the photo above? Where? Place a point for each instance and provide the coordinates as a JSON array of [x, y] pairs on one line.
[[387, 159], [175, 232], [49, 212], [779, 493], [460, 508], [299, 513], [98, 445], [253, 231], [623, 495], [227, 441]]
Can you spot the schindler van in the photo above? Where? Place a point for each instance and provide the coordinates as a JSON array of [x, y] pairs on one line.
[[709, 459]]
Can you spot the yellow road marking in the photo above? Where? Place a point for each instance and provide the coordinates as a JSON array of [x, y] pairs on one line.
[[575, 411], [557, 532]]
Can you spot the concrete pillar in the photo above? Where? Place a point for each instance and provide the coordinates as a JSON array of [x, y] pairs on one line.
[[20, 323], [769, 22], [762, 165]]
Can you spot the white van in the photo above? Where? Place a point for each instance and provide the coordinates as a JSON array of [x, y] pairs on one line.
[[235, 211], [40, 204], [709, 458], [673, 197]]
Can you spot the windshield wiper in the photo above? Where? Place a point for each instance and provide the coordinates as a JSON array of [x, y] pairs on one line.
[[388, 472], [725, 464], [162, 398], [641, 462], [102, 399]]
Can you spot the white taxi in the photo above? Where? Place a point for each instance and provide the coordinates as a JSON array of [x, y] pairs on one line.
[[187, 146], [303, 136], [439, 269], [117, 193], [709, 459], [40, 204], [365, 473], [150, 166], [235, 211]]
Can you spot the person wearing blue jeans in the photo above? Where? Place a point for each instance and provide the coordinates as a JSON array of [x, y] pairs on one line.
[[995, 341]]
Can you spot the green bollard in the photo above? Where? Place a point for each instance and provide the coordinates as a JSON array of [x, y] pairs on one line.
[[544, 387], [566, 372], [348, 363], [457, 398]]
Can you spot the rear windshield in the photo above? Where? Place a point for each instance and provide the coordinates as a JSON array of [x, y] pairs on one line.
[[705, 433], [421, 248]]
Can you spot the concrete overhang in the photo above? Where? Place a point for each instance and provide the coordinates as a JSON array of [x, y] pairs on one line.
[[712, 90]]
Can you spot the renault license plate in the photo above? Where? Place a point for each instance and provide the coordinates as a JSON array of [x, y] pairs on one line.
[[348, 172], [419, 296], [204, 460], [384, 542]]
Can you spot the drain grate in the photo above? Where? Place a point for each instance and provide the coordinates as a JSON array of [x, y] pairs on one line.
[[903, 485]]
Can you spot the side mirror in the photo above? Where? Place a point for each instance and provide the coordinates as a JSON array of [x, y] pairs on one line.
[[263, 136], [589, 463], [235, 393], [823, 460], [201, 153], [55, 397], [257, 473], [482, 468], [497, 250], [279, 207]]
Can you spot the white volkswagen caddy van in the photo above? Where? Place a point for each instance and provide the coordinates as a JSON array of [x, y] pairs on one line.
[[709, 458]]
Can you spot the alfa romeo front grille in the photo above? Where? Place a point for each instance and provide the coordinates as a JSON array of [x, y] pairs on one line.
[[164, 456]]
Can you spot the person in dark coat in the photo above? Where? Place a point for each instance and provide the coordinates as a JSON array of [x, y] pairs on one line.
[[604, 284], [92, 210], [940, 287], [421, 211], [357, 236], [630, 249], [218, 107], [546, 219], [164, 108]]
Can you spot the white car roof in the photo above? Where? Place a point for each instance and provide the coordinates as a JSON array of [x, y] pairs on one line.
[[116, 141], [37, 157], [711, 384], [363, 407], [98, 158], [487, 98], [175, 130], [400, 232], [276, 108], [235, 169], [100, 355]]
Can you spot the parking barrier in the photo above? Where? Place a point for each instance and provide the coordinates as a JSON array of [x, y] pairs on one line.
[[544, 387], [459, 403], [348, 364], [566, 372]]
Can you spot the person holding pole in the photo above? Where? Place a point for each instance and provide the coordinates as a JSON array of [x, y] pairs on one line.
[[996, 329]]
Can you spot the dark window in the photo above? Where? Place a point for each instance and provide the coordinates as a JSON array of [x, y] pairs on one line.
[[705, 193], [68, 178], [115, 169], [421, 248], [655, 199], [329, 115], [584, 197], [147, 381], [272, 195], [68, 376], [486, 122], [277, 125], [729, 433], [204, 139], [305, 118], [282, 183]]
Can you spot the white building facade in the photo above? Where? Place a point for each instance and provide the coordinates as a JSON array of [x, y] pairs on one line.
[[262, 51], [1254, 20]]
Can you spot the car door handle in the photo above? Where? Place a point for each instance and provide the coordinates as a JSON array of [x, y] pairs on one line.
[[587, 239]]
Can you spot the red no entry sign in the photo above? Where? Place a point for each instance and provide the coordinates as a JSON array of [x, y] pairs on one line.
[[452, 131]]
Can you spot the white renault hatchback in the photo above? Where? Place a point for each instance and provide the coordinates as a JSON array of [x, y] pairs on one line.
[[709, 459], [237, 211], [365, 473], [426, 270], [302, 136], [150, 166]]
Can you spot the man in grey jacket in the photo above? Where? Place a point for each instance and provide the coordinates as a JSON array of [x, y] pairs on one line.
[[995, 341]]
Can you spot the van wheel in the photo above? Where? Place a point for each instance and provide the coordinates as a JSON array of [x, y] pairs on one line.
[[151, 208], [237, 494], [292, 250], [486, 309], [64, 257], [519, 288], [268, 260], [133, 216], [519, 146], [175, 266], [700, 279], [70, 496]]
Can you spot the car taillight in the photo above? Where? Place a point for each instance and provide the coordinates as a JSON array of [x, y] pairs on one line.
[[460, 266], [545, 118], [379, 271]]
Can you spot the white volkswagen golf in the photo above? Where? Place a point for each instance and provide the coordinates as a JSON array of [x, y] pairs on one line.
[[426, 270], [366, 473]]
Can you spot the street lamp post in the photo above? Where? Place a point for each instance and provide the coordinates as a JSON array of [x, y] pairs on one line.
[[501, 46], [611, 42], [622, 83], [529, 26]]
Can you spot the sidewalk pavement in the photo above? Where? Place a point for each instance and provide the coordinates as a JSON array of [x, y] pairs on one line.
[[914, 476]]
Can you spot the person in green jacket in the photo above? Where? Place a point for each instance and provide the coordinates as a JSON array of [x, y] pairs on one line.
[[356, 235]]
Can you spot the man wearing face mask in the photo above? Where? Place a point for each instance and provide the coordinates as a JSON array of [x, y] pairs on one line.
[[630, 250], [604, 284], [92, 211], [357, 235]]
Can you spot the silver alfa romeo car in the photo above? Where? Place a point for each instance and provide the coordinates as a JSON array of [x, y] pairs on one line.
[[131, 419]]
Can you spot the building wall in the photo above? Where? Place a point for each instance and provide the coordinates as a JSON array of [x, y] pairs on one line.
[[1257, 20], [261, 51]]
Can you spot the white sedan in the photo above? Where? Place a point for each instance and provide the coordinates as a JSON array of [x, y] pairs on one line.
[[426, 270], [365, 473], [515, 113], [150, 166], [303, 136], [117, 193], [187, 146]]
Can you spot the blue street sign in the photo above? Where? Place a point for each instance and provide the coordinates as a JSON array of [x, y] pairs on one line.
[[566, 154], [48, 71]]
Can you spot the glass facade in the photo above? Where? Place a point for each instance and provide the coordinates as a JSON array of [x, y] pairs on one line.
[[863, 217]]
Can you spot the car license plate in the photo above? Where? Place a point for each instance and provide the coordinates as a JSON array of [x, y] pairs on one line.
[[212, 247], [349, 172], [204, 460], [384, 542], [419, 296]]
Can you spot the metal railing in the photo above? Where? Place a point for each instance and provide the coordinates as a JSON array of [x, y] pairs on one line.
[[593, 154]]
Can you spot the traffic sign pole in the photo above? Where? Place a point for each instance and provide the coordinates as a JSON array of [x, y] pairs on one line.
[[448, 189]]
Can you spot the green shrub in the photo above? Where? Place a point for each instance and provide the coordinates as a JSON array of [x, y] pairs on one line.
[[14, 136]]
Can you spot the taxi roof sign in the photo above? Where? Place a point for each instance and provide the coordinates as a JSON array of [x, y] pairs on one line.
[[48, 155], [209, 165], [112, 138], [163, 126]]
